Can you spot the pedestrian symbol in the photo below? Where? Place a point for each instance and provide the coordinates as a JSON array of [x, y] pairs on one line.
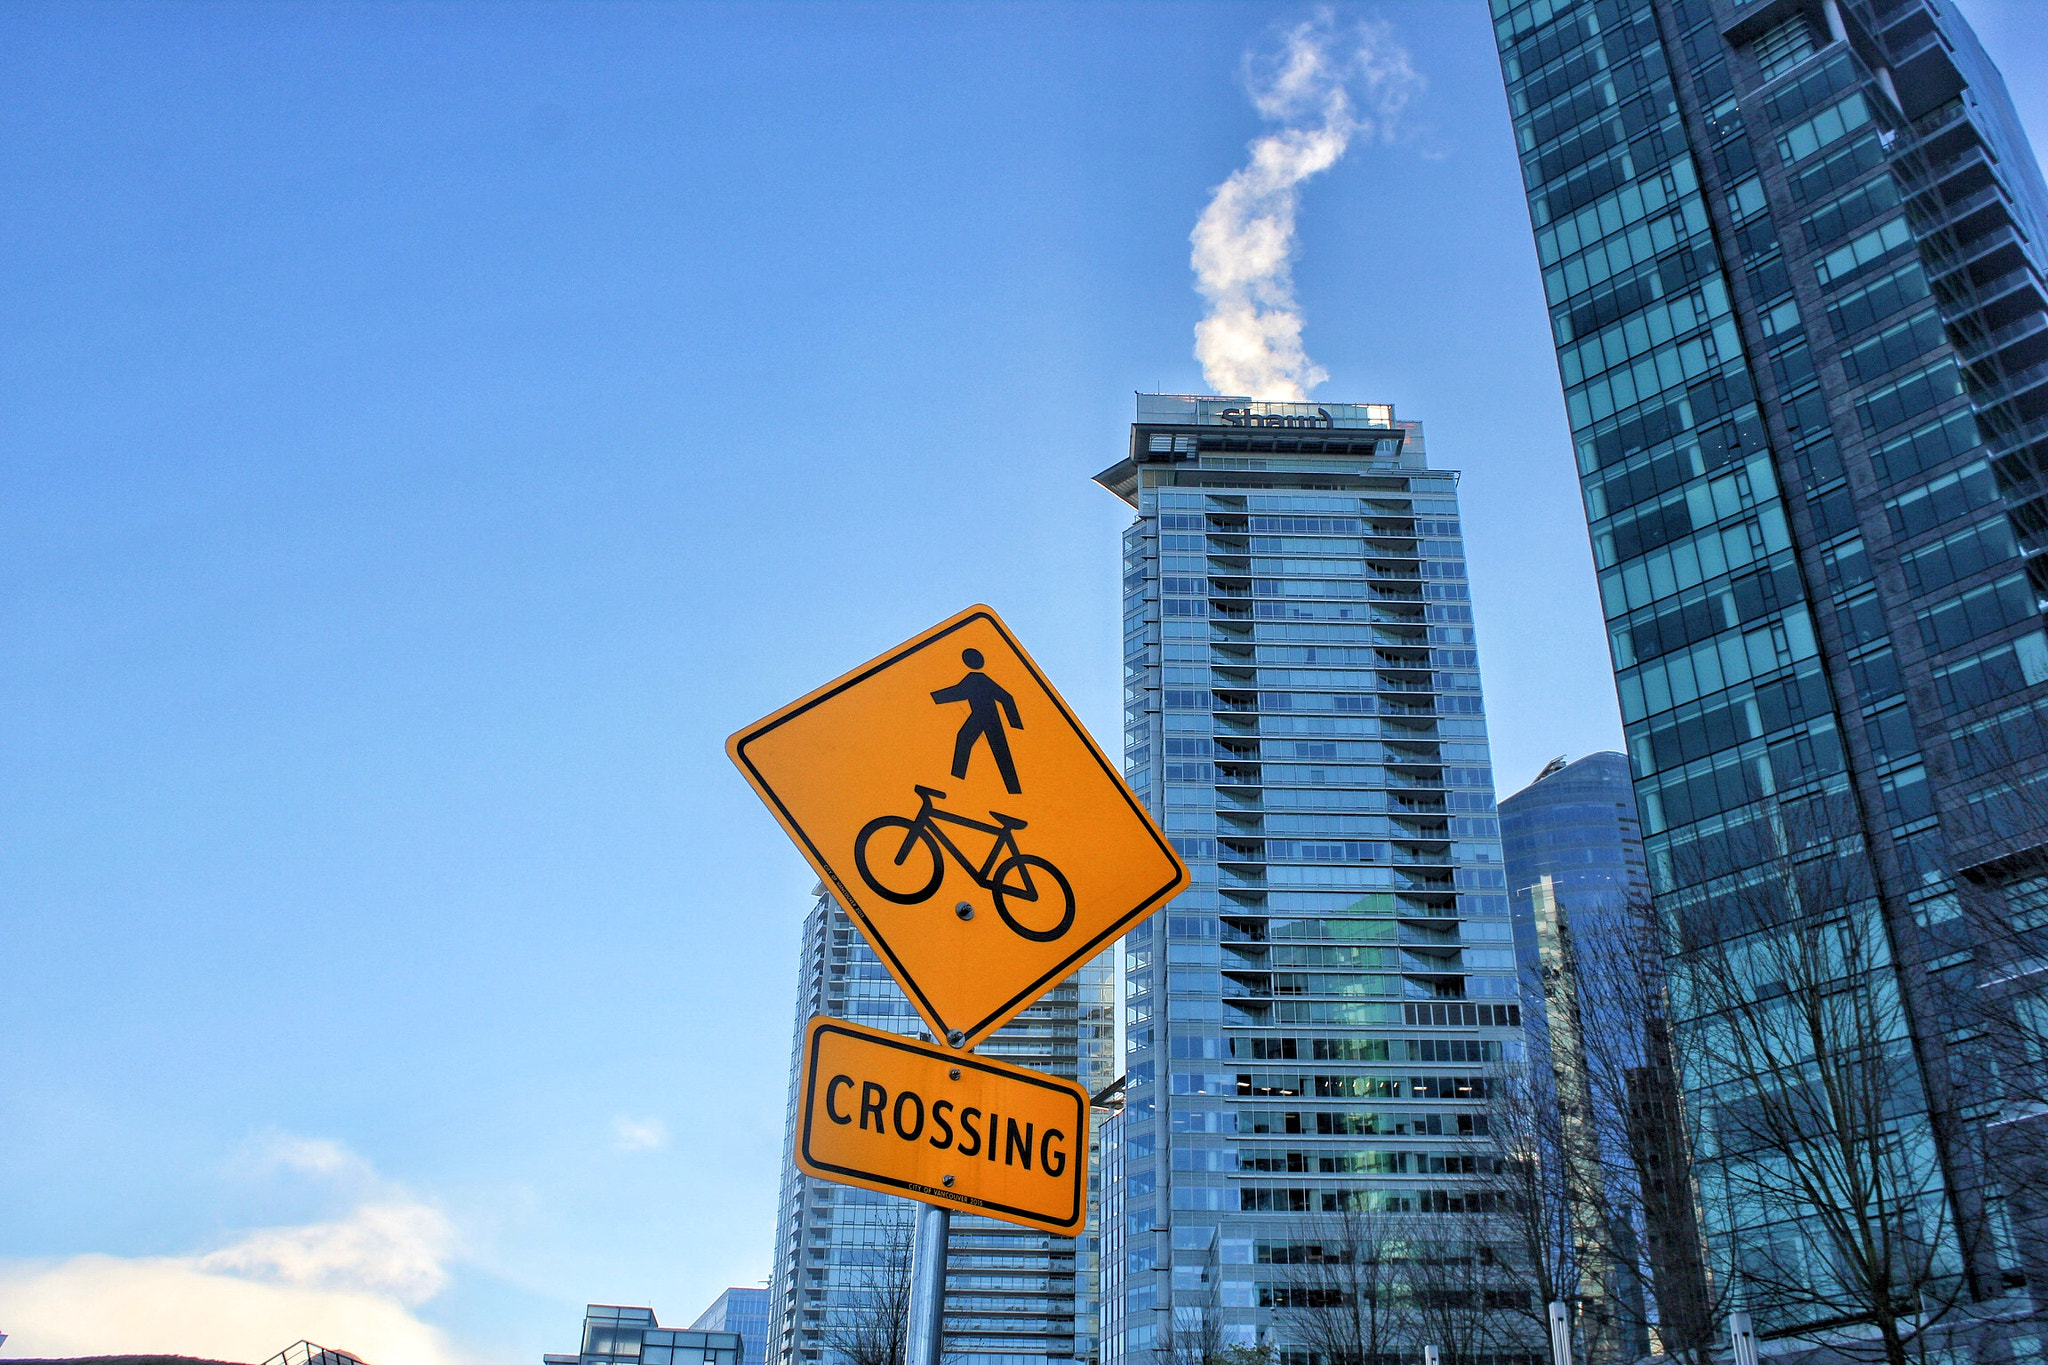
[[984, 856], [983, 696]]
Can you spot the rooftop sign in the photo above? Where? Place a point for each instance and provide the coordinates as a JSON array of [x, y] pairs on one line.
[[1190, 410]]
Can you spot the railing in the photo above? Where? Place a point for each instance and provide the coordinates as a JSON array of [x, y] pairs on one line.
[[1974, 296], [2011, 386], [1963, 208], [1917, 180], [1981, 347], [2006, 443], [1976, 249], [1937, 118], [1930, 39]]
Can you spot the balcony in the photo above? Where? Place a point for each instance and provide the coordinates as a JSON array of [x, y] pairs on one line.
[[2019, 343], [1995, 302], [2026, 390], [2018, 439], [1959, 171], [1970, 217], [1925, 74], [1939, 120], [1985, 259]]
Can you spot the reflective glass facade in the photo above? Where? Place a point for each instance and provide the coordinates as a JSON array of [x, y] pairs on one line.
[[1793, 252], [1580, 897], [614, 1335], [1575, 825], [1013, 1295], [1308, 1024], [743, 1311]]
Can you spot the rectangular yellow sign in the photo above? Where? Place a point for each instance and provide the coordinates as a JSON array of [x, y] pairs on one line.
[[892, 1114]]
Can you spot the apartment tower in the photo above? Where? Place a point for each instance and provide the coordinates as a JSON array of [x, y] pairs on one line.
[[1308, 1025], [1793, 254]]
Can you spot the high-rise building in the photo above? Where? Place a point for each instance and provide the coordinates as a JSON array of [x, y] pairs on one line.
[[1576, 882], [1014, 1295], [1310, 1023], [1793, 252], [742, 1310], [1571, 837]]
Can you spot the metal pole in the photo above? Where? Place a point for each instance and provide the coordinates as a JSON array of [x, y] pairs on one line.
[[1560, 1334], [1742, 1337], [1430, 1356], [922, 1344]]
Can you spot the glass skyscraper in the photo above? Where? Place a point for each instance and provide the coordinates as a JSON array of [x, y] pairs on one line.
[[1571, 835], [1793, 252], [1014, 1295], [1308, 1024], [742, 1310], [1580, 899]]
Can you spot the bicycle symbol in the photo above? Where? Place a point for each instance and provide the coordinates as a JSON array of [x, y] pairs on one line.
[[1007, 871]]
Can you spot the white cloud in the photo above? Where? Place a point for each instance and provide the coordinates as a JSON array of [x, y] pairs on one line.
[[639, 1135], [350, 1283], [323, 1157], [394, 1249], [1249, 342]]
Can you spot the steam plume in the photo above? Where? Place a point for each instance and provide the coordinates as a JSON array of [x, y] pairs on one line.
[[1249, 342]]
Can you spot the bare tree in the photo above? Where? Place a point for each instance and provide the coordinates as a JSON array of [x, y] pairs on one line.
[[1998, 1004], [1346, 1298], [1193, 1332], [1649, 1224], [867, 1326], [1792, 1026], [1524, 1174], [1468, 1292]]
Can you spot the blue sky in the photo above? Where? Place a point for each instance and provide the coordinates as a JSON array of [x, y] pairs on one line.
[[429, 430]]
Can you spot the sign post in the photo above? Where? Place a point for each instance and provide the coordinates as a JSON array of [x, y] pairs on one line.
[[986, 847], [924, 1339]]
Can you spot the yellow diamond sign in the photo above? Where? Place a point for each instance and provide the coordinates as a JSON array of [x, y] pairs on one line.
[[962, 815]]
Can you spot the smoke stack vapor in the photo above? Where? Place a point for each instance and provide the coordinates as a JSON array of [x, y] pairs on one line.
[[1249, 342]]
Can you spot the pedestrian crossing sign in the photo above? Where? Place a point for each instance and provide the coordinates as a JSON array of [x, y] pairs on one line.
[[962, 815]]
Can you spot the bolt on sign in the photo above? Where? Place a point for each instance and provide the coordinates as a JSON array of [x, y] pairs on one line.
[[902, 1117], [962, 815]]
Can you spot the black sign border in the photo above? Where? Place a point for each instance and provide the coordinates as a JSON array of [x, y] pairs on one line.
[[825, 1023], [1023, 998]]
